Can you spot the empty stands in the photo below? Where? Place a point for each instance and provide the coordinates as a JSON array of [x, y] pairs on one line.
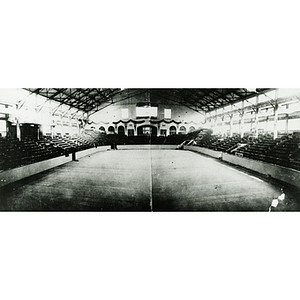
[[15, 153], [283, 151]]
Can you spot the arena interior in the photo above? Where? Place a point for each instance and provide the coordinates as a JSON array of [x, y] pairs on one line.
[[112, 149]]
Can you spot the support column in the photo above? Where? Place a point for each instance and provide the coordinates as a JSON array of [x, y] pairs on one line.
[[17, 122], [52, 131], [231, 125], [256, 117], [38, 131], [242, 121], [266, 124], [275, 121], [76, 129], [61, 121], [275, 115], [210, 123], [287, 123], [18, 130], [223, 130]]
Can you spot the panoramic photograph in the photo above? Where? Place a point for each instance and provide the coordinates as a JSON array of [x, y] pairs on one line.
[[150, 149]]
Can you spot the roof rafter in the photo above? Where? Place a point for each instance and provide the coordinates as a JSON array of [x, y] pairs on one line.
[[91, 100]]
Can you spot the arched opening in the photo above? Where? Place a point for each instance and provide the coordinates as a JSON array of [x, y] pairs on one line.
[[182, 130], [192, 128], [121, 130], [102, 129], [172, 130], [147, 130], [111, 130]]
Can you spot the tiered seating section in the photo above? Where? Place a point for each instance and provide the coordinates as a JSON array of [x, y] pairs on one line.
[[15, 153], [284, 151]]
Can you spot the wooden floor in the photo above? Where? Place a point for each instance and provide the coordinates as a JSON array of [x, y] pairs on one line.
[[144, 180]]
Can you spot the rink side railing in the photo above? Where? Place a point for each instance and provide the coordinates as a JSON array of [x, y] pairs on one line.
[[278, 172]]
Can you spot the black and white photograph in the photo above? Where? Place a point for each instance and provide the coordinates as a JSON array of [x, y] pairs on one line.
[[149, 150]]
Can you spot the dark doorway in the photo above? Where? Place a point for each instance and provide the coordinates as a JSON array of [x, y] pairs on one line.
[[147, 130], [121, 130], [29, 131], [111, 129]]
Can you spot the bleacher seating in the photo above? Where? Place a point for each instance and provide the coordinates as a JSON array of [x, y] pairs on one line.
[[15, 153], [284, 150], [175, 139]]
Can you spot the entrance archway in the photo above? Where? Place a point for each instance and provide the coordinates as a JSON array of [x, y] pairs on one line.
[[147, 130], [182, 130], [172, 130], [121, 130], [111, 129]]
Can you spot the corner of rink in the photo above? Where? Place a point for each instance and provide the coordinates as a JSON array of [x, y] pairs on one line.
[[19, 173], [281, 173]]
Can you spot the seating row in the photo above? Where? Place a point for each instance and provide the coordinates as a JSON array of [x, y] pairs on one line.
[[280, 151], [14, 153]]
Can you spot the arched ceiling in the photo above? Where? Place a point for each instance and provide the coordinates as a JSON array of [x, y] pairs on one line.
[[91, 100]]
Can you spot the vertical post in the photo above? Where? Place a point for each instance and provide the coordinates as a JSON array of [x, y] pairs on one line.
[[287, 124], [266, 124], [18, 130], [223, 123], [215, 122], [231, 125], [52, 131], [223, 129], [275, 115], [62, 122], [77, 126], [18, 122], [242, 121], [231, 121], [256, 117], [208, 119]]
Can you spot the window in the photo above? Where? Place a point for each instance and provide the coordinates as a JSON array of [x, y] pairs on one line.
[[182, 130], [146, 130], [172, 130], [146, 111], [167, 113]]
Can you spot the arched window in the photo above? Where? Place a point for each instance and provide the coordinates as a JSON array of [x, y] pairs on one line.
[[102, 129], [182, 130], [172, 130], [192, 128]]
